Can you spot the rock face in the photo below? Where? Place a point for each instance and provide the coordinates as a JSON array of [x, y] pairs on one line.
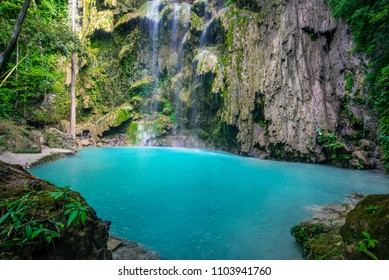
[[82, 241], [264, 78]]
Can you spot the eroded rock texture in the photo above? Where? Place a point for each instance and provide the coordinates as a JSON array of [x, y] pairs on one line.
[[271, 79], [290, 61]]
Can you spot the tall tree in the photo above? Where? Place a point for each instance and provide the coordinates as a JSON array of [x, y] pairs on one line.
[[73, 77], [4, 56]]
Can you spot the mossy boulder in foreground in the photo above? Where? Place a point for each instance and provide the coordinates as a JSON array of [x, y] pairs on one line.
[[362, 233], [36, 220], [371, 215]]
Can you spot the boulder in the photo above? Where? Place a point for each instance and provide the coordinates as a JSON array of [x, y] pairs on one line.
[[58, 139], [73, 242], [361, 160], [18, 139], [371, 215], [85, 142]]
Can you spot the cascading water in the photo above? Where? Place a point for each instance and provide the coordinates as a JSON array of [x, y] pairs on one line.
[[178, 25], [153, 21], [197, 82], [177, 48], [144, 132]]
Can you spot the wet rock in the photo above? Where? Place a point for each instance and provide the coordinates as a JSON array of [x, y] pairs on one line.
[[127, 250], [356, 196]]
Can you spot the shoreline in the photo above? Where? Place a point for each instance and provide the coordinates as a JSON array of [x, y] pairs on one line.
[[30, 160]]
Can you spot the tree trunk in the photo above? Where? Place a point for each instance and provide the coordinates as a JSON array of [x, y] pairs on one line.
[[73, 98], [4, 56], [73, 79]]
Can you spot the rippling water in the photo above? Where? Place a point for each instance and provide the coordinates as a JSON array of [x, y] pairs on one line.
[[197, 204]]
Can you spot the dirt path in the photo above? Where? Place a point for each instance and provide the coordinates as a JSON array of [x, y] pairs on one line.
[[26, 160]]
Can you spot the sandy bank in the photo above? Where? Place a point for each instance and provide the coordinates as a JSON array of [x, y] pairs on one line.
[[26, 160]]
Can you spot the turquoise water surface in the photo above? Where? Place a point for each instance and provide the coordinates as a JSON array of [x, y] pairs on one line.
[[198, 204]]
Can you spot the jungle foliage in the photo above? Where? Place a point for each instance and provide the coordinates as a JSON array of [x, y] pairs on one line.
[[369, 23], [37, 63]]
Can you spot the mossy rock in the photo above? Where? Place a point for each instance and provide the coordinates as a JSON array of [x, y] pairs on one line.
[[18, 139], [207, 62], [142, 87], [142, 132], [115, 118], [374, 222], [326, 246], [58, 139], [305, 231], [39, 207], [127, 20]]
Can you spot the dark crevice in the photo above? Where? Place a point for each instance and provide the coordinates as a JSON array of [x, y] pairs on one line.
[[314, 35]]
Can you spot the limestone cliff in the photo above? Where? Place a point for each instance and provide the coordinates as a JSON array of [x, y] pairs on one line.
[[271, 79]]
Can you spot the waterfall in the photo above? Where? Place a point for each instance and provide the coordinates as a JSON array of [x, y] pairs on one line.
[[153, 22], [198, 82], [177, 49], [144, 130], [203, 37]]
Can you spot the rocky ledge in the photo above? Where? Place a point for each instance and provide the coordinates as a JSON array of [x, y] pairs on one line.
[[128, 250], [358, 229]]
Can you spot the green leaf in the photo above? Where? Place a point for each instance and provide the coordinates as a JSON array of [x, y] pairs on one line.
[[36, 233], [28, 231], [370, 254], [366, 234], [362, 247], [4, 217], [72, 217], [83, 217], [9, 243]]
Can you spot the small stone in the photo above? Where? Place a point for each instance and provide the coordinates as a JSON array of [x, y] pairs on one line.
[[356, 195], [113, 243], [85, 142], [367, 145]]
